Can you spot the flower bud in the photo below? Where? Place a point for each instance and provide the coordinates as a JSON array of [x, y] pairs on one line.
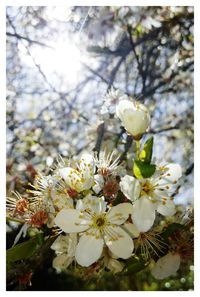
[[135, 117]]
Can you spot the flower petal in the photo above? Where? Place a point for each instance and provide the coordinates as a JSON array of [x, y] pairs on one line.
[[62, 200], [71, 177], [71, 220], [122, 106], [134, 116], [99, 183], [114, 265], [167, 209], [143, 215], [136, 122], [131, 229], [87, 168], [118, 241], [119, 214], [72, 244], [130, 187], [60, 245], [171, 175], [166, 266], [61, 262], [89, 250], [95, 204]]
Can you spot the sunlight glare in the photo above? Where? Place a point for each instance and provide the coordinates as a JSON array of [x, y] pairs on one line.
[[64, 59]]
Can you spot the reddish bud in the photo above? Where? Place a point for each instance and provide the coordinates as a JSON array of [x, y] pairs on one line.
[[39, 218], [25, 279]]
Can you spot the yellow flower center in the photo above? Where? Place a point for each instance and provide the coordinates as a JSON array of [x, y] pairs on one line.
[[99, 221], [147, 188]]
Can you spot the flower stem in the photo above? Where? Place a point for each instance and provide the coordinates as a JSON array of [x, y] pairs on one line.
[[137, 143], [15, 220]]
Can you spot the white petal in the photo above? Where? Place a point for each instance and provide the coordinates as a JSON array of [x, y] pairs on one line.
[[62, 200], [89, 250], [99, 182], [60, 245], [135, 122], [72, 243], [122, 106], [87, 163], [71, 177], [119, 214], [143, 214], [69, 220], [118, 241], [166, 266], [175, 171], [171, 175], [167, 209], [95, 204], [87, 169], [130, 187], [131, 229], [61, 262], [114, 265], [134, 117]]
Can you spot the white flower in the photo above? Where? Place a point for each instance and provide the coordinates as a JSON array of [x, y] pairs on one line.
[[99, 227], [134, 116], [166, 266], [151, 194], [101, 25], [43, 185], [82, 178], [99, 183], [148, 242], [61, 200], [64, 247], [111, 99], [111, 262], [106, 163]]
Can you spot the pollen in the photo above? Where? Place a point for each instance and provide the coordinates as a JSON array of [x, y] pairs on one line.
[[146, 188], [99, 221], [21, 206], [72, 193], [39, 218]]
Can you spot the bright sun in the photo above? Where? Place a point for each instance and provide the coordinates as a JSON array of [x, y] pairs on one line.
[[64, 59]]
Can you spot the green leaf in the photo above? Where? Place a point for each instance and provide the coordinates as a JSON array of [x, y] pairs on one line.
[[142, 169], [133, 265], [146, 153], [25, 249], [139, 28]]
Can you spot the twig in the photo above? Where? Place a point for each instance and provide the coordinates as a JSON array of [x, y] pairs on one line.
[[34, 263], [18, 36], [99, 140]]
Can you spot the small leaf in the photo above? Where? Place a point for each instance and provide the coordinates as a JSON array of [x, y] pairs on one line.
[[142, 169], [24, 250], [133, 265], [146, 153]]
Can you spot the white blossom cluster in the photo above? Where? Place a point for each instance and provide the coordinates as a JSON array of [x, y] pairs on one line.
[[103, 212]]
